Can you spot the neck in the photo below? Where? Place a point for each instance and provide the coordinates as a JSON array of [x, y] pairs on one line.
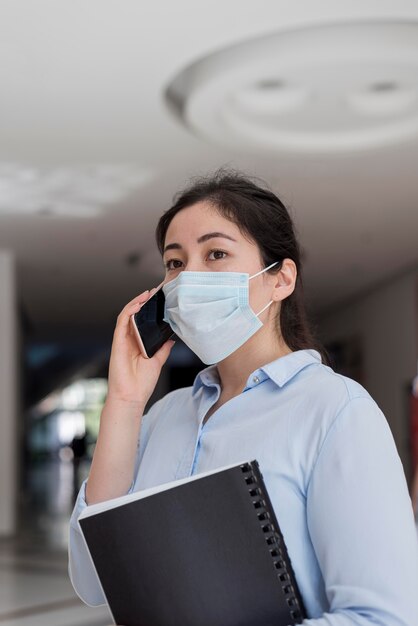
[[263, 347]]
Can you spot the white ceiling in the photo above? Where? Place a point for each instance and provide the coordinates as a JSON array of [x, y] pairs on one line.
[[82, 97]]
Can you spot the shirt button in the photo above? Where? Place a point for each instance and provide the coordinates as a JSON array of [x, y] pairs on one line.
[[256, 380]]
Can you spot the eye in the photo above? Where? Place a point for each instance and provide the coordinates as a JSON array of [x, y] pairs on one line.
[[173, 264], [217, 255]]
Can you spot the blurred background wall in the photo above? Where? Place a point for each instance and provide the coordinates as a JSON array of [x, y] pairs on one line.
[[383, 323], [9, 394]]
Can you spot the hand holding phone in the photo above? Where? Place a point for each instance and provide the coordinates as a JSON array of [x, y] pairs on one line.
[[149, 327], [132, 377]]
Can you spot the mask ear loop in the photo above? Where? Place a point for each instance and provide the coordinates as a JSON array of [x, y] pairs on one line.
[[262, 271], [264, 308], [258, 274]]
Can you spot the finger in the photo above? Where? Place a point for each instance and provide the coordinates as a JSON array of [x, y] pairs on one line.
[[143, 297], [123, 321], [132, 307], [163, 353]]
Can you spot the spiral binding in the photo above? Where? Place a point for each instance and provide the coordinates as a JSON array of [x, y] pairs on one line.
[[274, 542]]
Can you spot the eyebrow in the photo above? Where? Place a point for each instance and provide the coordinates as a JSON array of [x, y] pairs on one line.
[[202, 239]]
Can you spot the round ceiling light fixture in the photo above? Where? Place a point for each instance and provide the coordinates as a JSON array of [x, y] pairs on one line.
[[327, 88]]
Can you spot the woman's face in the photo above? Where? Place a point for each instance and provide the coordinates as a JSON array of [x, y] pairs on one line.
[[199, 239]]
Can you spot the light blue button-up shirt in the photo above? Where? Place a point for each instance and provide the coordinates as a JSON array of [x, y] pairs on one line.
[[333, 474]]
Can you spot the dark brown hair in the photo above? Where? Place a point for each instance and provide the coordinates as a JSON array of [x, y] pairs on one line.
[[261, 215]]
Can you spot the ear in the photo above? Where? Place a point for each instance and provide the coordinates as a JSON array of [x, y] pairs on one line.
[[285, 280]]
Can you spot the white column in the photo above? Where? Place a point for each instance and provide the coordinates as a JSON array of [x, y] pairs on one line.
[[8, 394]]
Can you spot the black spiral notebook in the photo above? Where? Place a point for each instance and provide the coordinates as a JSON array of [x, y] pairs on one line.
[[202, 551]]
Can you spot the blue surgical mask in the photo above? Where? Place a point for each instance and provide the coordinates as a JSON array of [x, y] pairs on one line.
[[211, 313]]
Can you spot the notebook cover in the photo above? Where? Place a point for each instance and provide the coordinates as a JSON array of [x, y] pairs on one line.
[[204, 553]]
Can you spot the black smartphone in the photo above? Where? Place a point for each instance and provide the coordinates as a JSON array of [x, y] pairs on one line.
[[149, 327]]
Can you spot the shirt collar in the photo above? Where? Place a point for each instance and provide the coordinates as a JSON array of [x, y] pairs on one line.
[[280, 371], [208, 377]]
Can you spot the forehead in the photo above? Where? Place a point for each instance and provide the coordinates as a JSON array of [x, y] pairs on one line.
[[198, 219]]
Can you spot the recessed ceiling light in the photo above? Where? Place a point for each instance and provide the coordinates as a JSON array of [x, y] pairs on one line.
[[323, 88], [385, 99], [384, 86], [270, 83]]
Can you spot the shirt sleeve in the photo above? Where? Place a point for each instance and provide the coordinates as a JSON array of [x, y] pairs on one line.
[[80, 566], [361, 523], [81, 570]]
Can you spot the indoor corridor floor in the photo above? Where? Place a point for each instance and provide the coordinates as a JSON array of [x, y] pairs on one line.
[[34, 586]]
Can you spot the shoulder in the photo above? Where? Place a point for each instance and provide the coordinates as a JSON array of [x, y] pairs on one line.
[[327, 388], [347, 399], [327, 401], [304, 375], [337, 422]]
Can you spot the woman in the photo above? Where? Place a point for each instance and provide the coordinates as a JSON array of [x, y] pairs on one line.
[[326, 452]]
